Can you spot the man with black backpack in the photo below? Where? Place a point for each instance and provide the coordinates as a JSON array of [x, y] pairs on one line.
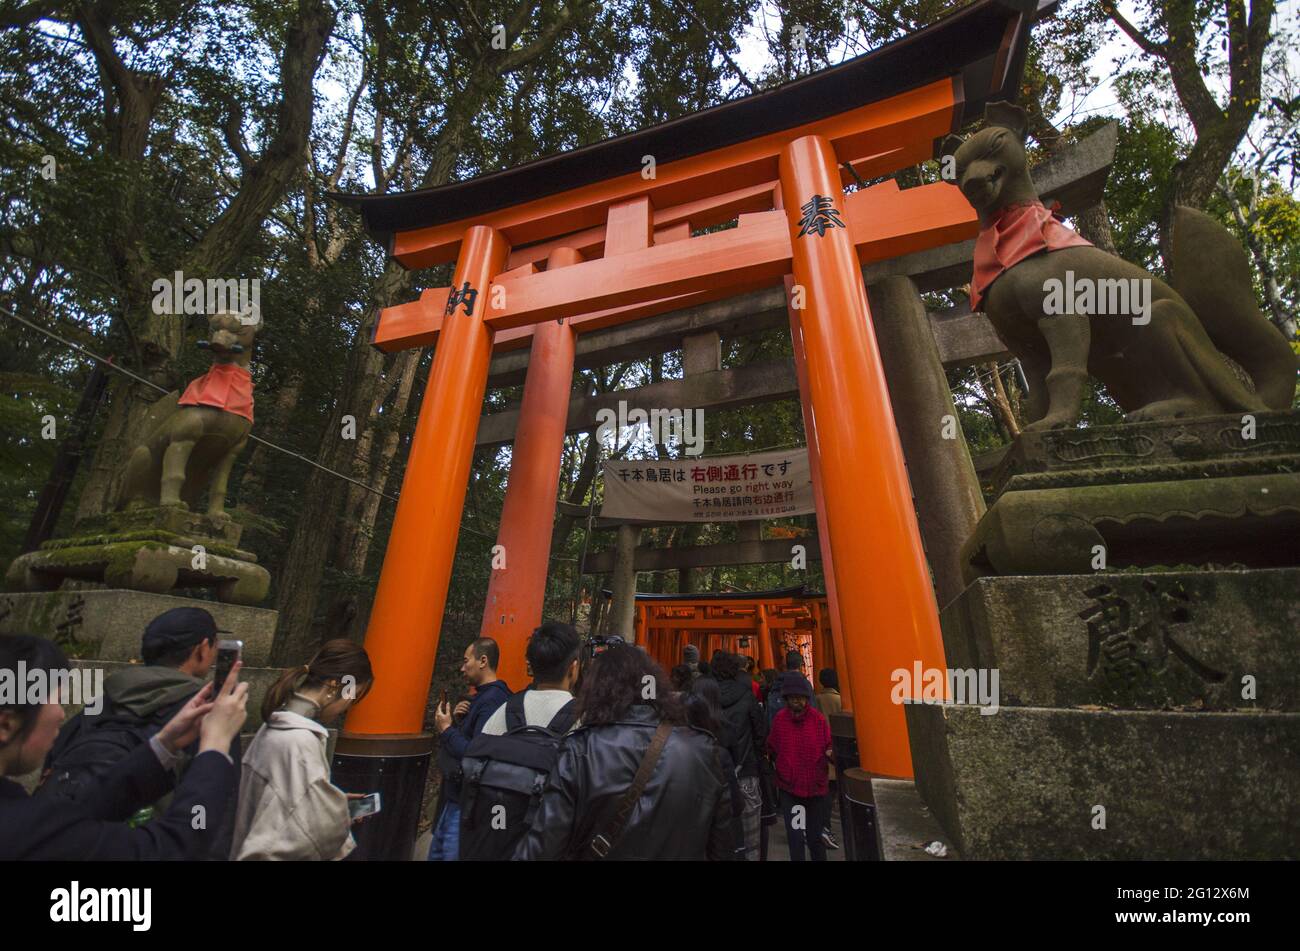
[[178, 648], [506, 767]]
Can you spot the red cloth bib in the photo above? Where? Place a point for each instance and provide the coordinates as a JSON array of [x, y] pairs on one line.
[[226, 386], [1019, 231]]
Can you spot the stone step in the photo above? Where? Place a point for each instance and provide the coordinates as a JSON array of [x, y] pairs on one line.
[[1042, 783]]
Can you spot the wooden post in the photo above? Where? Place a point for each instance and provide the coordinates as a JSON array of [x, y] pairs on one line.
[[623, 609], [765, 653], [948, 497]]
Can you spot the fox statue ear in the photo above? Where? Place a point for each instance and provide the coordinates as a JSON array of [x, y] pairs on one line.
[[950, 145], [1009, 116]]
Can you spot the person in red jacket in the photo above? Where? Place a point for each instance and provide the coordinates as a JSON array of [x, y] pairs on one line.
[[800, 741]]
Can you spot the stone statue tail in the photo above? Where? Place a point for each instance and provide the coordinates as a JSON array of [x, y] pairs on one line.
[[1211, 272]]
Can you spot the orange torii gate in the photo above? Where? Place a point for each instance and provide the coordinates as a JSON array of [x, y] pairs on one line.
[[602, 235]]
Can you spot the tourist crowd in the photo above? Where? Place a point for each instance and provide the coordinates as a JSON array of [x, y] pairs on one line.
[[601, 756]]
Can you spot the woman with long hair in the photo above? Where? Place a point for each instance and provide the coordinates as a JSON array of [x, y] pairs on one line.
[[633, 779], [288, 808]]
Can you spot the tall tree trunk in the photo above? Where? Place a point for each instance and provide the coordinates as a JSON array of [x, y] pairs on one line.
[[1093, 223], [347, 611], [128, 408], [586, 475], [313, 535]]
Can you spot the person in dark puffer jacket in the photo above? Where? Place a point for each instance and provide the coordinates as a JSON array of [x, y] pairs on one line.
[[745, 732]]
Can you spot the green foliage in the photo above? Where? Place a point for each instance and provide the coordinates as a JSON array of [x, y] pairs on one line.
[[1137, 187]]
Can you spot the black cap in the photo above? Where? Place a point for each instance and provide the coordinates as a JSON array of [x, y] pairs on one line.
[[795, 685], [179, 627]]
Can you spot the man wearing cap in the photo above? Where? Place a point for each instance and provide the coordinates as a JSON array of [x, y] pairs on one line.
[[800, 744], [179, 648]]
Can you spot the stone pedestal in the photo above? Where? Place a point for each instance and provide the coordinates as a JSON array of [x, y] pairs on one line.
[[1059, 783], [1212, 491], [905, 826], [154, 550], [108, 624], [1137, 640], [1148, 702]]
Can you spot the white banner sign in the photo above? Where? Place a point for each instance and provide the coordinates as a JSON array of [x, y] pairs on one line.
[[723, 489]]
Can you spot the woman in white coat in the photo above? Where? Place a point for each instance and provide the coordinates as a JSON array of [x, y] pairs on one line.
[[288, 808]]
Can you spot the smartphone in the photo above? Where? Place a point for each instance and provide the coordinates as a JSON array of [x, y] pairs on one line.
[[442, 698], [366, 806], [227, 653]]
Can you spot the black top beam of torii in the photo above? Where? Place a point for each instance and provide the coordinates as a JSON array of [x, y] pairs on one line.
[[983, 44]]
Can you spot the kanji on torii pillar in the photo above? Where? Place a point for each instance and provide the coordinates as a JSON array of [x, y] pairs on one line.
[[590, 238]]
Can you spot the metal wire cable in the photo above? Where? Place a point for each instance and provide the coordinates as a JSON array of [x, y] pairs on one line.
[[149, 383], [91, 355]]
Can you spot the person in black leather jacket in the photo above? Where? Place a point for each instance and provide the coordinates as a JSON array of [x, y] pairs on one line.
[[684, 812]]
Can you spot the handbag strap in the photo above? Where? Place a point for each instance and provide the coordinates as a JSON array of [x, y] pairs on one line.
[[602, 843]]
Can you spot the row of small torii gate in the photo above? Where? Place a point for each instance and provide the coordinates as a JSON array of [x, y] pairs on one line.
[[589, 242]]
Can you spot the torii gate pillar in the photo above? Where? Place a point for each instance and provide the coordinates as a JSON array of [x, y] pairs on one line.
[[887, 606], [383, 746], [517, 592]]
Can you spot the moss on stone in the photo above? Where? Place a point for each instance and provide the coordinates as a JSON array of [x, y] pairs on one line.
[[87, 541], [151, 535], [116, 557]]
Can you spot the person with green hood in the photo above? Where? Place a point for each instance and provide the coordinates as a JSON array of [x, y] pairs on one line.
[[179, 648]]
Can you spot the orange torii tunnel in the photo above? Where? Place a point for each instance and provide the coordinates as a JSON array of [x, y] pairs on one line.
[[611, 233], [764, 625]]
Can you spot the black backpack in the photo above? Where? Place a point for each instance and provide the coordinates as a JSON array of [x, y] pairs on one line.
[[503, 780], [89, 747]]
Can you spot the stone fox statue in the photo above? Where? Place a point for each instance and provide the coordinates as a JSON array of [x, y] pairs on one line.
[[1195, 346], [195, 437]]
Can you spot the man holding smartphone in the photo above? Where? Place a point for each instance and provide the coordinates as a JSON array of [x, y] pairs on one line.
[[179, 648], [479, 668]]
